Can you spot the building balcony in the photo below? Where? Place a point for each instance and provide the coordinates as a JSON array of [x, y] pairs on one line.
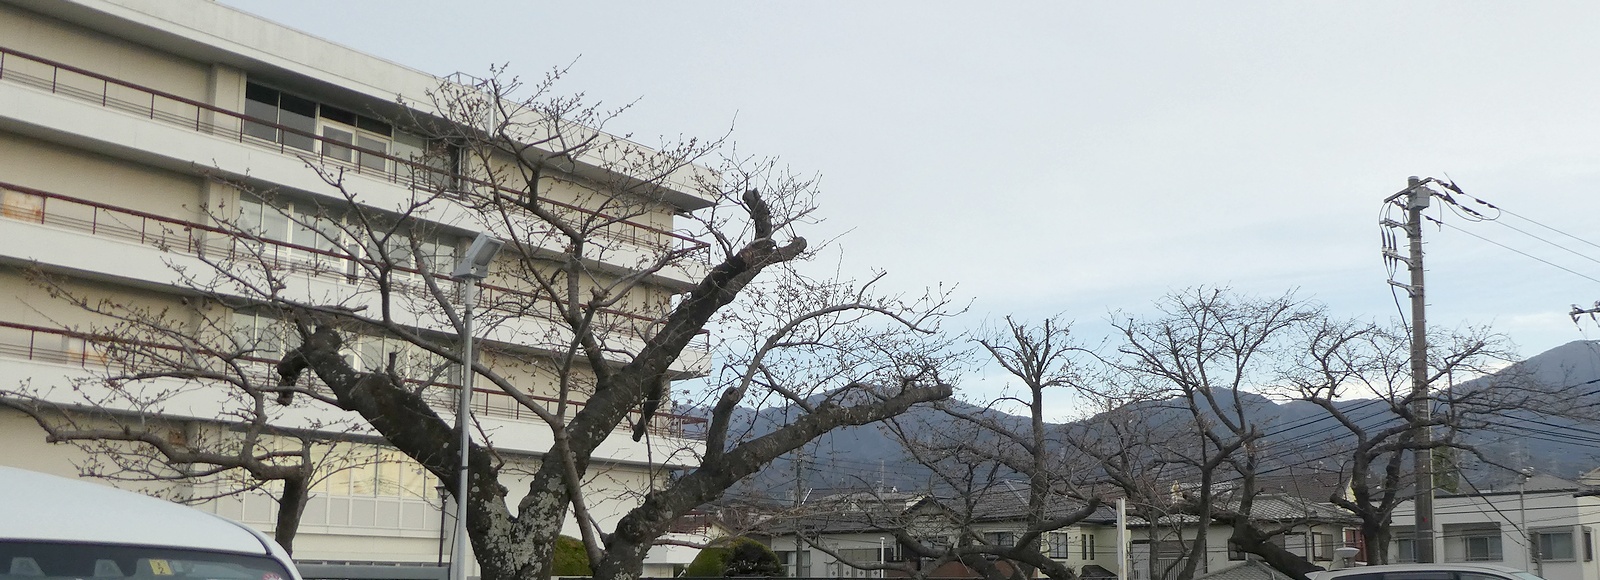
[[68, 355], [67, 232], [210, 139]]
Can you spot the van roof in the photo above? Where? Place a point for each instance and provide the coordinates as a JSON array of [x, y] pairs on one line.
[[1436, 567], [46, 507]]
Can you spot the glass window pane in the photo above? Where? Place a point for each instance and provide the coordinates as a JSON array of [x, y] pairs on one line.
[[373, 161], [400, 251], [408, 147], [297, 105], [267, 112], [330, 237], [363, 477], [338, 114], [388, 476], [337, 135], [301, 116], [303, 235], [274, 225], [261, 94], [373, 125], [339, 482]]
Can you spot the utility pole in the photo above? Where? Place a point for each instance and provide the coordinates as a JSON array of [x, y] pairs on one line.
[[1420, 396], [1416, 198], [799, 499]]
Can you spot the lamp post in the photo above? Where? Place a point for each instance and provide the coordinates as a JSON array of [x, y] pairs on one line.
[[473, 267], [441, 489], [883, 559]]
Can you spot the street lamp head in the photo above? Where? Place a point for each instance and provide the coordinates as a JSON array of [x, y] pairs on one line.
[[475, 264]]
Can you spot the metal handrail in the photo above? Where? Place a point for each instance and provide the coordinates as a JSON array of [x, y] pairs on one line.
[[32, 349], [199, 123], [179, 235]]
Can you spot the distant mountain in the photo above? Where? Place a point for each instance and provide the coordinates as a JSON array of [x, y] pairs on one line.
[[869, 456]]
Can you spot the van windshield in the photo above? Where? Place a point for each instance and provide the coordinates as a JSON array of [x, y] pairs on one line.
[[75, 561]]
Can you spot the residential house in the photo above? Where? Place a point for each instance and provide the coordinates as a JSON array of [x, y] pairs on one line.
[[124, 127], [1307, 528], [836, 532], [852, 531], [1543, 524]]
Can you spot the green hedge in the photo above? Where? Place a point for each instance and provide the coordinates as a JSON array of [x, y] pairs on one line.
[[735, 557], [571, 559]]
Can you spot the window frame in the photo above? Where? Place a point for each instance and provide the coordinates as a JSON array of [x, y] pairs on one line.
[[1060, 547], [316, 118], [1490, 543], [1000, 538], [1541, 535]]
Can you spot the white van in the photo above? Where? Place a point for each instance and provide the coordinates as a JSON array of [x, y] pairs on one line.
[[1426, 572], [54, 528]]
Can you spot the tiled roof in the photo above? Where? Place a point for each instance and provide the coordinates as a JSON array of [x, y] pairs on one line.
[[1249, 570]]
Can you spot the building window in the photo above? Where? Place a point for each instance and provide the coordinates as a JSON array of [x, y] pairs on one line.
[[1482, 546], [302, 119], [1297, 543], [297, 115], [1088, 551], [1322, 546], [1555, 545], [302, 223], [1002, 539], [1405, 546], [262, 336], [1060, 547], [796, 564], [1588, 545]]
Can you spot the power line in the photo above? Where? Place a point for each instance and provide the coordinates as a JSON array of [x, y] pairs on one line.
[[1514, 250]]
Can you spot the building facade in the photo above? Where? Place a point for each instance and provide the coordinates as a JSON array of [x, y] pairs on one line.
[[1545, 525], [152, 153]]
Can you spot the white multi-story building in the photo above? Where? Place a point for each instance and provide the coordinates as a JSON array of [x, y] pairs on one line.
[[1545, 525], [126, 130]]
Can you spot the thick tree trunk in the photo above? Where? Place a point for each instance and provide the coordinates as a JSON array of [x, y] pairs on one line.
[[1249, 538], [291, 506]]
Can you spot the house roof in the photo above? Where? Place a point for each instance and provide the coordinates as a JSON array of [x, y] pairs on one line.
[[1249, 570], [871, 512], [1011, 504], [1274, 507]]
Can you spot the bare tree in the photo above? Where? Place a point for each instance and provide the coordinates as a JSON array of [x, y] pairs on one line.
[[992, 471], [1359, 375], [587, 308], [148, 367], [1204, 350], [1210, 363]]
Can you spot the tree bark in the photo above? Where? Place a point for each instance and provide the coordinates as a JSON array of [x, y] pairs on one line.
[[291, 506], [1249, 538]]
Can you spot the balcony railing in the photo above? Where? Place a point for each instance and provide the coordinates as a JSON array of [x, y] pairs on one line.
[[197, 239], [88, 350], [112, 93]]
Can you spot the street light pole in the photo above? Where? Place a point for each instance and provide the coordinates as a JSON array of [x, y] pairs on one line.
[[472, 268], [883, 559]]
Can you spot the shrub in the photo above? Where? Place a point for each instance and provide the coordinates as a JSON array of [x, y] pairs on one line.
[[571, 559], [737, 557]]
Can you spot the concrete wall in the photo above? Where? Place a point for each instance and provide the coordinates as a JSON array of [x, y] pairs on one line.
[[1515, 520]]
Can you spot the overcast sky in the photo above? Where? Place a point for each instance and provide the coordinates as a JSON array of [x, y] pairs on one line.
[[1082, 158]]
